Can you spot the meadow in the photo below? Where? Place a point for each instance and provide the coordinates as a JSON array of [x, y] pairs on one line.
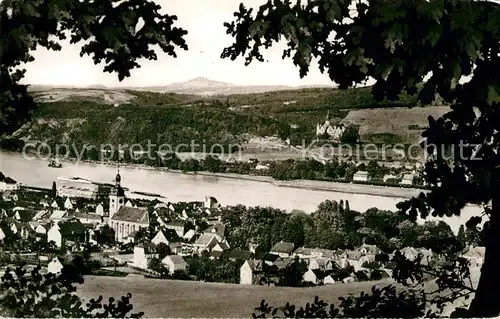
[[173, 298]]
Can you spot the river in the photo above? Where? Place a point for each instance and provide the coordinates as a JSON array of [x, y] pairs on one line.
[[177, 187]]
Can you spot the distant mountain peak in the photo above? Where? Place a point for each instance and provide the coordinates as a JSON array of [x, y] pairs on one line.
[[199, 83], [200, 78]]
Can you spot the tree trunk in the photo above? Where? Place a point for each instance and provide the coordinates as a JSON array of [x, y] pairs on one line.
[[486, 302]]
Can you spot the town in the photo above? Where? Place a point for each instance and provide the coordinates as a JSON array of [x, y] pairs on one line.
[[208, 242]]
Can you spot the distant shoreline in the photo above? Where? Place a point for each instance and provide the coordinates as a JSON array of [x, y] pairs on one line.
[[313, 185], [349, 188]]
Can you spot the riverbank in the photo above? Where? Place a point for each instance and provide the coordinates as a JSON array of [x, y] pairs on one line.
[[348, 188]]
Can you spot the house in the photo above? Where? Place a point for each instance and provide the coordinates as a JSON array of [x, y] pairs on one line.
[[42, 214], [390, 177], [143, 253], [99, 210], [2, 234], [65, 232], [328, 280], [408, 179], [217, 229], [236, 255], [349, 258], [205, 242], [360, 176], [220, 247], [161, 237], [175, 248], [409, 253], [369, 250], [55, 265], [282, 249], [129, 204], [174, 263], [22, 229], [128, 220], [9, 185], [189, 234], [251, 272], [475, 255], [262, 167], [274, 260], [44, 203], [86, 218], [54, 205], [314, 276], [427, 255], [130, 238], [159, 218], [210, 202], [310, 253], [58, 215], [178, 227], [160, 205], [68, 204], [321, 264], [9, 196]]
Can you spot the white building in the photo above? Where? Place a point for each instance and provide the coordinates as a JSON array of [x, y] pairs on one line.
[[360, 176], [68, 204], [174, 263], [8, 186], [160, 237], [250, 272], [55, 235], [99, 210], [334, 132], [143, 253], [408, 179], [178, 227], [77, 187], [210, 202], [55, 266]]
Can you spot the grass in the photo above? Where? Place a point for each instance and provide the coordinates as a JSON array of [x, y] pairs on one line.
[[183, 299], [393, 125]]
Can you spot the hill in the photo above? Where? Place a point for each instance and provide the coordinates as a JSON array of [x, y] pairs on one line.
[[122, 116], [198, 86]]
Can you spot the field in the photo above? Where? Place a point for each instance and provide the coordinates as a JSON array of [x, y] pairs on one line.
[[401, 123], [171, 298]]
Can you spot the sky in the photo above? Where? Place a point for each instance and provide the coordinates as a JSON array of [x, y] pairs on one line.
[[206, 39]]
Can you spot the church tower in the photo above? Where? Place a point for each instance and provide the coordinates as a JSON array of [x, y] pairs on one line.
[[116, 196]]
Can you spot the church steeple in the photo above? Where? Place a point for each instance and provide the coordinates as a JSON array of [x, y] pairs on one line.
[[116, 196], [118, 178], [328, 115]]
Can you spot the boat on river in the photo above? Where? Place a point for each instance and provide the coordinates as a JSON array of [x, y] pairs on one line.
[[55, 163]]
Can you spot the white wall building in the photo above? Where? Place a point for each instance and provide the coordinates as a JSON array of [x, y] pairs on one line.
[[76, 187]]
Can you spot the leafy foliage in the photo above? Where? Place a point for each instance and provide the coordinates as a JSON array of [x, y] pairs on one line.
[[399, 43], [28, 293], [108, 28]]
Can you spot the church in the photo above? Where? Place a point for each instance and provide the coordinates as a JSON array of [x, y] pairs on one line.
[[124, 220]]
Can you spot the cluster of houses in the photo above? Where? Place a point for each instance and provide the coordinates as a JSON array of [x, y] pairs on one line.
[[323, 264], [66, 226]]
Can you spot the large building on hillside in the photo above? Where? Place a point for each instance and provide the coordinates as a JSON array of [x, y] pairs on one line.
[[332, 131]]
